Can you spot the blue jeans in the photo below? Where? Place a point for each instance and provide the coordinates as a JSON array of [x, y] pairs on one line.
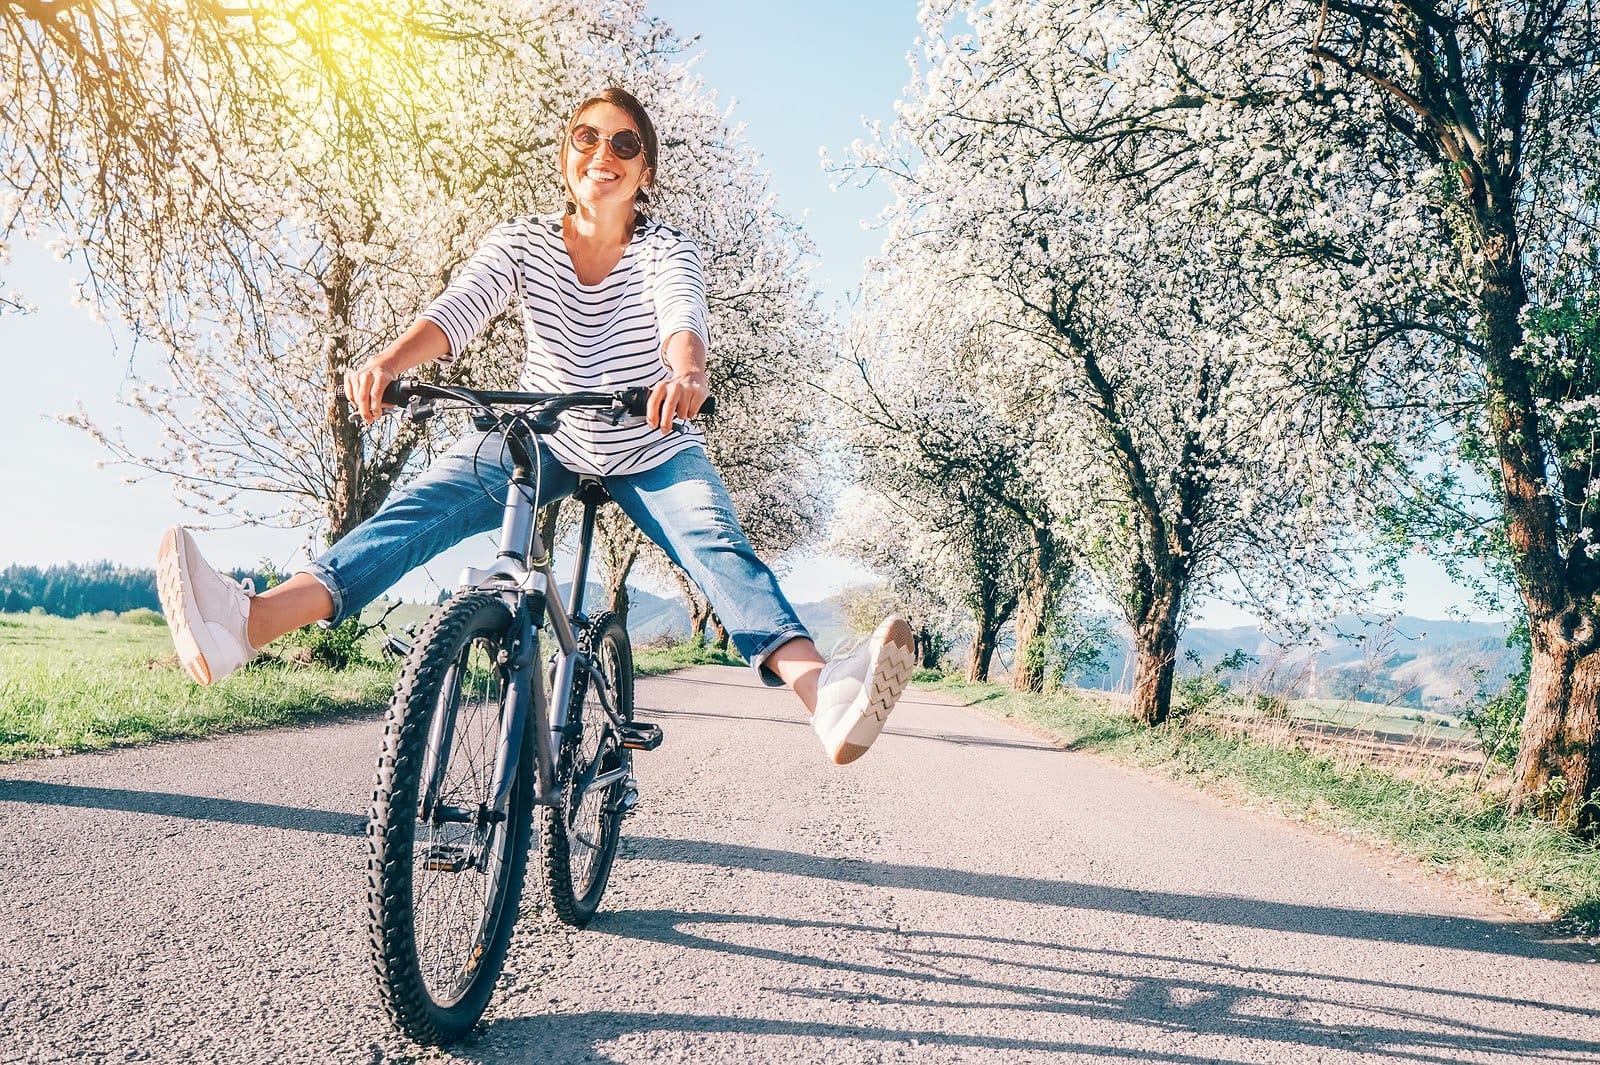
[[681, 505]]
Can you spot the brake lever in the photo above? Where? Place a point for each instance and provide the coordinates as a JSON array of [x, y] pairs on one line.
[[682, 425]]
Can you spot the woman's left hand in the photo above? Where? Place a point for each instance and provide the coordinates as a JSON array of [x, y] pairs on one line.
[[679, 396]]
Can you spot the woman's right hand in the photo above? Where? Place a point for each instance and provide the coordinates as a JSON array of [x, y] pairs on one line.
[[364, 386]]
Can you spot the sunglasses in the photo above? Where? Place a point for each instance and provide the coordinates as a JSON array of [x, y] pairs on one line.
[[625, 143]]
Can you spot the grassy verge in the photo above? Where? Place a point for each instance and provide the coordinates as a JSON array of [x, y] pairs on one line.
[[77, 684], [1437, 817], [80, 685], [650, 661]]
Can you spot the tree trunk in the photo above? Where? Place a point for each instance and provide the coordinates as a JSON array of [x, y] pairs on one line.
[[1555, 774], [720, 632], [1028, 673], [1037, 599], [699, 606], [346, 434], [1555, 771], [619, 544], [1156, 648], [983, 645]]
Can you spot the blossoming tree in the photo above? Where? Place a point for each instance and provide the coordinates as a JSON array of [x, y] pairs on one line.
[[1181, 419]]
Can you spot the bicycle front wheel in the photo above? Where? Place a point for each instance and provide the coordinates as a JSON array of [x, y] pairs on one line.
[[444, 870], [581, 834]]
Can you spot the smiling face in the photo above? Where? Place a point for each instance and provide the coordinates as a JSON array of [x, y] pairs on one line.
[[599, 179]]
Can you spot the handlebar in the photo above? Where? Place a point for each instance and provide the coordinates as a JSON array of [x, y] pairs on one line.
[[412, 394]]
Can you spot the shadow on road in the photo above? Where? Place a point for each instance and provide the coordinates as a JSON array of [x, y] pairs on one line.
[[1068, 986], [194, 807], [1344, 923]]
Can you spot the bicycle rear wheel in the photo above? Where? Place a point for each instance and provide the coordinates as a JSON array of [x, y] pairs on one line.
[[580, 835], [444, 873]]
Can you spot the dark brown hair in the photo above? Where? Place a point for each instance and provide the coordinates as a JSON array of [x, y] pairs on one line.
[[647, 135]]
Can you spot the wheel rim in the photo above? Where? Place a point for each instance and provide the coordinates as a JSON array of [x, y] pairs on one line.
[[590, 821], [456, 864]]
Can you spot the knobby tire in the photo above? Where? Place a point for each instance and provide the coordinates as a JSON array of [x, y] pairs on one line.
[[443, 896]]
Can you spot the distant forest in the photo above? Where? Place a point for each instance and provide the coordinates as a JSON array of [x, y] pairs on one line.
[[83, 588]]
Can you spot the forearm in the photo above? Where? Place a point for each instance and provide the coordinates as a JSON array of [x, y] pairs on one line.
[[685, 354], [364, 385], [423, 342], [684, 393]]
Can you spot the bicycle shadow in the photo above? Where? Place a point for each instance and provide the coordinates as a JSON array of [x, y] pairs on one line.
[[1517, 940]]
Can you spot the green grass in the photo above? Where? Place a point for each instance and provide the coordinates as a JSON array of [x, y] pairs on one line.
[[650, 661], [81, 685], [1437, 817], [85, 684]]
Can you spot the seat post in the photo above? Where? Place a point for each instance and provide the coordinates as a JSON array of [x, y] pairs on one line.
[[592, 494]]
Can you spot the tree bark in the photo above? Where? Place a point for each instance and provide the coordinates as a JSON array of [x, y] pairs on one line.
[[344, 510], [719, 632], [1037, 599], [1554, 776], [983, 645], [699, 606], [1158, 603], [1156, 651]]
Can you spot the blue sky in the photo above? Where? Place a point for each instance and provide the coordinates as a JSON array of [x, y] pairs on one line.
[[802, 77]]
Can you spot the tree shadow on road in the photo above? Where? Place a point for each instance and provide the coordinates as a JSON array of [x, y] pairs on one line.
[[1450, 932], [192, 807], [938, 989]]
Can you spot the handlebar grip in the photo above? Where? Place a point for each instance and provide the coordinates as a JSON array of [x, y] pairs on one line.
[[397, 392], [635, 400]]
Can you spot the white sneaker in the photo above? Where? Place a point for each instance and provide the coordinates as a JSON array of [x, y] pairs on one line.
[[208, 613], [857, 690]]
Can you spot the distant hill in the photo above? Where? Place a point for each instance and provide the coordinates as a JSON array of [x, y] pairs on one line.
[[1425, 664]]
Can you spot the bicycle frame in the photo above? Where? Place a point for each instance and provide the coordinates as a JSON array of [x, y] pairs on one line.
[[523, 575]]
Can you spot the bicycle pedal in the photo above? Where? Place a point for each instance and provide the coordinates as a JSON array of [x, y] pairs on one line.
[[640, 736], [442, 858], [628, 800]]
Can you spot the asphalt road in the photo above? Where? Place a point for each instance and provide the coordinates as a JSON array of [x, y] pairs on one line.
[[965, 893]]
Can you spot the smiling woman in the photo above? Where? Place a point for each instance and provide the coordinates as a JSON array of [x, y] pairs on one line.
[[608, 299]]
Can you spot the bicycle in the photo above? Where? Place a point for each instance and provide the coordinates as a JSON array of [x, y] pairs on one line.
[[461, 769]]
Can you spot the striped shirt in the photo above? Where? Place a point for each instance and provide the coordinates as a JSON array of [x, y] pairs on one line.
[[585, 337]]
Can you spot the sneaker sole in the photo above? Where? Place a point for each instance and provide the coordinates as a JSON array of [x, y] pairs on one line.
[[174, 603], [892, 665]]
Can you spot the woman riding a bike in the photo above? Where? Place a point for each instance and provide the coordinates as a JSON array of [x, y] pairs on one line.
[[609, 299]]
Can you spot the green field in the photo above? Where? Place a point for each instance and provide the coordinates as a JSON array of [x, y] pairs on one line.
[[74, 685], [81, 685], [1378, 717]]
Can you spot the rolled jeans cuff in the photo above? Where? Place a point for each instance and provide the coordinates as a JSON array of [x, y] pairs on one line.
[[329, 580], [758, 657]]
